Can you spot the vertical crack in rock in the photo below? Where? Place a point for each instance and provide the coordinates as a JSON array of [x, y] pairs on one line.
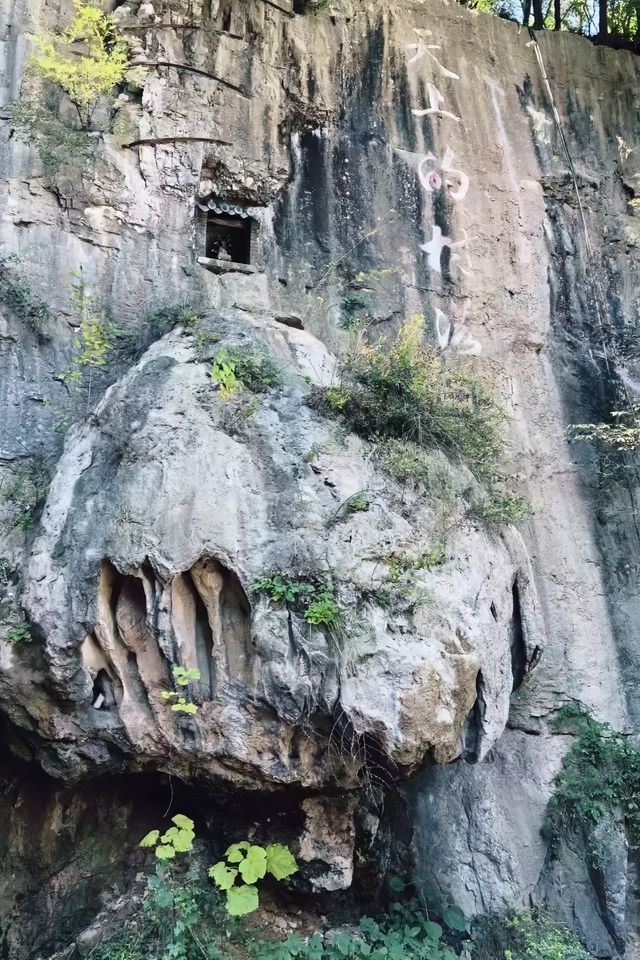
[[474, 729], [517, 642]]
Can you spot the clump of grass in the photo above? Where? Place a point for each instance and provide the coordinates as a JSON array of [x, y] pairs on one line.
[[501, 509], [401, 389]]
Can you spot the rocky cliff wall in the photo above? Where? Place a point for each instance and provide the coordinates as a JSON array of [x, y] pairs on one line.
[[413, 145]]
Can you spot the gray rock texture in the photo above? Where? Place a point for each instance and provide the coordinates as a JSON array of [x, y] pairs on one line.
[[394, 158]]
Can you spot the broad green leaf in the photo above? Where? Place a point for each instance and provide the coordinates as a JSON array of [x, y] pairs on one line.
[[433, 930], [236, 851], [254, 866], [242, 900], [151, 839], [455, 919], [222, 875], [281, 862], [342, 943], [170, 835], [396, 884], [165, 852], [380, 953], [184, 841], [185, 823]]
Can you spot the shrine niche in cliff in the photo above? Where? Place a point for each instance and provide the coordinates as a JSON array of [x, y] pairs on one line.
[[226, 237]]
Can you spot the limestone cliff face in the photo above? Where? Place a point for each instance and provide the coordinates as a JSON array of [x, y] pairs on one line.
[[403, 156]]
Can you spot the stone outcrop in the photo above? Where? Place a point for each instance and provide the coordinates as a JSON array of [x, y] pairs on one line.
[[168, 504]]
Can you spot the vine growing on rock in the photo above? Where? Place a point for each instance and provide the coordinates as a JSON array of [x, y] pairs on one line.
[[599, 780], [16, 294], [93, 339]]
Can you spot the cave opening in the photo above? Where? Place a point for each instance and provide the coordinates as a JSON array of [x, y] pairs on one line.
[[228, 237]]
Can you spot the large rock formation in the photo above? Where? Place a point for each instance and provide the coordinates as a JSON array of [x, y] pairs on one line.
[[390, 158]]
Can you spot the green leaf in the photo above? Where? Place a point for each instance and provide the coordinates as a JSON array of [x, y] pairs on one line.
[[185, 823], [433, 930], [222, 875], [242, 900], [254, 866], [396, 884], [280, 861], [184, 841], [151, 839], [165, 852], [190, 708], [236, 851], [342, 943], [455, 919]]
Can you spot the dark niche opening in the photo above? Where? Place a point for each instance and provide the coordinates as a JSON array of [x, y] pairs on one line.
[[228, 237]]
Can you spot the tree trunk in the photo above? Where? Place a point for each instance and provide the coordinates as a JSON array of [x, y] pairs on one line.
[[557, 15], [538, 19], [526, 12], [603, 21]]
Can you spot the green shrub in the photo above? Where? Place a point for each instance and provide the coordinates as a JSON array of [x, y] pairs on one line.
[[87, 60], [18, 634], [24, 493], [358, 502], [16, 294], [235, 369], [600, 777], [526, 936], [314, 601], [402, 390], [426, 470], [622, 434], [245, 864], [501, 509], [405, 934]]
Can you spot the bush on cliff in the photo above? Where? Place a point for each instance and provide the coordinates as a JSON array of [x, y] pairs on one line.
[[402, 390]]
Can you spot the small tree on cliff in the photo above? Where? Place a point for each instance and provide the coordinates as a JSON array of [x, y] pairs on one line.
[[87, 60]]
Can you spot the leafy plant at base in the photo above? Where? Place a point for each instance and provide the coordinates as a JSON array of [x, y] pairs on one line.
[[16, 294], [244, 865], [183, 677], [18, 635], [402, 390], [405, 934], [177, 910], [501, 509], [87, 60], [25, 493], [600, 777]]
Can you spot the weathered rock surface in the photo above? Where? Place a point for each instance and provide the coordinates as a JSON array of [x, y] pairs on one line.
[[168, 504]]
